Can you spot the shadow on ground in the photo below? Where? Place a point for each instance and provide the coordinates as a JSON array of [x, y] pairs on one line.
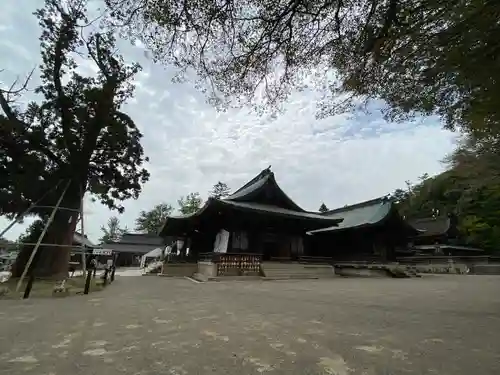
[[152, 325]]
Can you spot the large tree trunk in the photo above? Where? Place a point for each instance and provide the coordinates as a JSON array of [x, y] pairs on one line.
[[52, 261]]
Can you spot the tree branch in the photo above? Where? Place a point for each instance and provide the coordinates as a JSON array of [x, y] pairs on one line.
[[18, 126]]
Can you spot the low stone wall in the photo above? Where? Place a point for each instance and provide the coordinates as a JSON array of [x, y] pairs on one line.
[[207, 269], [451, 268], [179, 269], [486, 269], [451, 264]]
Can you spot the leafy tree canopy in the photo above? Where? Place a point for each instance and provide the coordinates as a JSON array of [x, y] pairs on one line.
[[112, 231], [470, 188], [190, 203], [323, 208], [219, 190], [420, 57], [74, 137], [153, 220], [76, 130]]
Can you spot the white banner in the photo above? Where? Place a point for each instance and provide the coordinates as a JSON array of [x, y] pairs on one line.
[[221, 241]]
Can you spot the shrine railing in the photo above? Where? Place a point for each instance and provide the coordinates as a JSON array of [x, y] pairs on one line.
[[234, 264]]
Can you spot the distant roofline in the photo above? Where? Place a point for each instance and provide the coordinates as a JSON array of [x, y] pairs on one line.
[[370, 202], [140, 234], [130, 243]]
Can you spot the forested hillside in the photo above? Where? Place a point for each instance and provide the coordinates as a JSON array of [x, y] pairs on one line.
[[470, 188]]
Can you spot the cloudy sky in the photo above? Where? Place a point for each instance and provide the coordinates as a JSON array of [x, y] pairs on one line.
[[339, 160]]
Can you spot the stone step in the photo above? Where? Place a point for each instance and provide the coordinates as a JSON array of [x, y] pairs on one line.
[[311, 269], [289, 265], [298, 273], [285, 271], [293, 277]]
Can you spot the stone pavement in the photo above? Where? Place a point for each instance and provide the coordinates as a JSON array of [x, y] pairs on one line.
[[447, 325]]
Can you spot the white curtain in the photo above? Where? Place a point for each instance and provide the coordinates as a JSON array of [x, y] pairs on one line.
[[221, 241]]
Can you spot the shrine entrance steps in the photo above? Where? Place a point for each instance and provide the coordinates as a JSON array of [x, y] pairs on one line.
[[295, 270]]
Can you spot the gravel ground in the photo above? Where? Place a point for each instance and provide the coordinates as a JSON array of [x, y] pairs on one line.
[[155, 325]]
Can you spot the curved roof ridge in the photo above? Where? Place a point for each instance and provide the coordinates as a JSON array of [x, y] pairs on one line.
[[263, 174], [258, 182], [359, 215], [296, 206], [279, 210], [431, 225], [429, 218]]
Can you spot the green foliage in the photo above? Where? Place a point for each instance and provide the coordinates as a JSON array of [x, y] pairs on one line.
[[323, 208], [190, 203], [113, 231], [470, 189], [76, 130], [219, 190], [419, 57], [152, 221], [32, 233]]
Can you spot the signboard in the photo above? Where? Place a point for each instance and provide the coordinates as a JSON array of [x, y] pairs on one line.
[[102, 252]]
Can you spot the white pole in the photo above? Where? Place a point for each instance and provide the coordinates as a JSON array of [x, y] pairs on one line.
[[84, 266], [33, 253]]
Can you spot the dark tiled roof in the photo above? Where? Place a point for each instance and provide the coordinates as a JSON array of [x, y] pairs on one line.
[[251, 185], [261, 194], [139, 243], [141, 238], [264, 182], [359, 214], [431, 226], [179, 224], [281, 211], [80, 240]]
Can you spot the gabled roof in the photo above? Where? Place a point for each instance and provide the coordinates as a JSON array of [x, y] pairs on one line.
[[80, 240], [264, 189], [175, 225], [359, 215], [250, 206], [141, 238], [431, 226], [139, 243]]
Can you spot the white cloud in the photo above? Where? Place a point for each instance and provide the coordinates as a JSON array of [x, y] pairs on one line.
[[338, 160]]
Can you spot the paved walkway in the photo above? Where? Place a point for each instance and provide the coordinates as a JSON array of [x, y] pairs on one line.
[[152, 325]]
